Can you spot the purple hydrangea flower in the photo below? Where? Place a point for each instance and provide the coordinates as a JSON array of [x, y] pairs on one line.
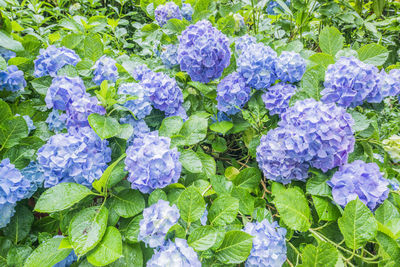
[[79, 156], [165, 12], [389, 83], [290, 67], [34, 174], [187, 11], [140, 71], [157, 220], [349, 82], [67, 262], [269, 245], [6, 54], [56, 121], [105, 69], [204, 219], [151, 163], [52, 59], [256, 65], [140, 128], [232, 94], [13, 186], [12, 79], [63, 90], [80, 108], [7, 210], [169, 55], [362, 180], [174, 254], [140, 107], [277, 98], [243, 42], [203, 52]]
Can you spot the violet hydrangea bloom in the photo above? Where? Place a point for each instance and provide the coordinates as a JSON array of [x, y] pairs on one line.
[[232, 94], [6, 54], [256, 65], [362, 180], [290, 67], [52, 59], [389, 83], [12, 79], [242, 43], [80, 108], [203, 52], [79, 156], [277, 98], [141, 106], [165, 12], [187, 11], [29, 123], [157, 220], [105, 69], [7, 210], [140, 71], [151, 163], [34, 174], [63, 90], [140, 128], [169, 55], [13, 185], [56, 121], [175, 254], [269, 244]]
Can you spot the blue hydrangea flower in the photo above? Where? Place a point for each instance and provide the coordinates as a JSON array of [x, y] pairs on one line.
[[256, 65], [56, 121], [269, 245], [169, 55], [165, 12], [204, 217], [394, 184], [220, 116], [67, 262], [349, 82], [6, 54], [389, 83], [79, 156], [242, 43], [63, 90], [105, 69], [12, 79], [165, 94], [203, 52], [290, 67], [174, 254], [157, 220], [362, 180], [187, 11], [232, 94], [140, 107], [13, 186], [277, 98], [140, 128], [140, 71], [151, 163], [7, 210], [80, 108], [34, 174], [272, 5], [52, 59]]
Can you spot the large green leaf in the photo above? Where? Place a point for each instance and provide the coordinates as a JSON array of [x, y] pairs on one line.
[[9, 43], [101, 184], [20, 224], [221, 127], [325, 209], [374, 54], [191, 204], [322, 59], [193, 131], [203, 238], [235, 248], [223, 210], [248, 179], [130, 232], [190, 161], [128, 203], [131, 256], [5, 111], [12, 131], [386, 212], [331, 40], [324, 254], [47, 254], [170, 126], [389, 248], [105, 127], [108, 250], [93, 47], [246, 200], [208, 164]]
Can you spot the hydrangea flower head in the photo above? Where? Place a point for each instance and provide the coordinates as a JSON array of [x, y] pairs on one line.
[[79, 156], [140, 71], [13, 185], [277, 98], [7, 210], [56, 121], [392, 147], [169, 55], [80, 108], [232, 94], [243, 42], [6, 54], [175, 254], [34, 174], [359, 180], [151, 163], [63, 90], [203, 52], [140, 128], [157, 220], [105, 69], [389, 83], [269, 245], [290, 67], [12, 79], [165, 12], [52, 59], [141, 106], [187, 11], [256, 65]]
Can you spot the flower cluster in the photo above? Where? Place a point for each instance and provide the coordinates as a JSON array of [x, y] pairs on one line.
[[151, 163], [157, 220], [7, 210], [277, 98], [13, 185], [165, 12], [139, 72], [12, 79], [51, 60], [269, 245], [6, 54], [34, 175], [203, 52], [389, 83], [256, 65], [174, 254], [140, 128], [232, 94], [80, 108], [187, 11], [79, 156], [169, 55], [141, 106], [290, 67], [56, 121], [392, 147], [243, 42], [362, 180], [63, 90], [105, 69]]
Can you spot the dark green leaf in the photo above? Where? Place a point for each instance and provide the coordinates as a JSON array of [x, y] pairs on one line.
[[223, 210], [203, 238], [108, 250], [324, 254], [191, 161], [20, 224], [47, 254], [128, 203], [191, 204], [235, 248]]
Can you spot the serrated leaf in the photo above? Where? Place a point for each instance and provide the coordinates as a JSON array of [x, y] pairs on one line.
[[131, 231], [374, 54], [208, 164], [325, 209], [47, 254], [317, 186], [235, 247], [170, 126], [322, 59], [9, 43], [101, 184], [132, 255], [191, 204], [20, 224], [388, 247], [386, 212], [156, 195], [93, 47], [12, 131], [191, 161], [324, 254], [223, 210], [248, 179], [105, 127], [203, 238], [108, 250], [221, 127], [331, 40], [128, 203]]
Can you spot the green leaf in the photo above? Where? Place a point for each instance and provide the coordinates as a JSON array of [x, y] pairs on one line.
[[378, 7], [388, 247], [202, 9], [193, 131], [5, 111], [131, 256], [87, 228], [9, 43], [325, 209], [324, 254], [191, 204], [223, 210], [20, 224], [41, 84], [156, 195], [221, 127], [47, 254], [361, 122], [246, 201], [311, 82], [12, 131], [108, 250], [317, 186], [293, 208], [191, 161], [170, 126], [61, 197], [93, 47], [101, 184], [357, 224], [208, 164], [322, 59], [17, 255], [221, 184], [248, 179], [203, 238], [374, 54], [105, 127], [331, 40], [235, 248], [131, 231], [128, 203], [5, 246], [176, 26], [386, 212]]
